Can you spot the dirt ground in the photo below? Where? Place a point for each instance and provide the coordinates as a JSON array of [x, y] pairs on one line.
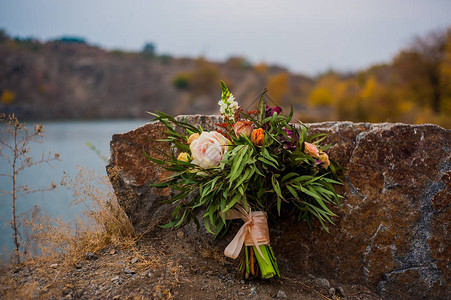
[[168, 265]]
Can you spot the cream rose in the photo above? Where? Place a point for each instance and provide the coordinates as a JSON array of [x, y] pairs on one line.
[[208, 150]]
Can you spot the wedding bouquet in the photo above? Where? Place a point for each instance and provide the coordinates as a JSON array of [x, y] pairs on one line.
[[254, 163]]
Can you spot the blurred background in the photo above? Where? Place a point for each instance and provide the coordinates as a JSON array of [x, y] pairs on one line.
[[88, 69], [384, 61]]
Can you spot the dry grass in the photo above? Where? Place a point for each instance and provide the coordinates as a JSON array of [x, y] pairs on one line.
[[51, 240], [105, 223]]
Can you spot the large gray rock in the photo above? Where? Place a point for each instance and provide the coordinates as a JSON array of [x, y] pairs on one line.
[[392, 231]]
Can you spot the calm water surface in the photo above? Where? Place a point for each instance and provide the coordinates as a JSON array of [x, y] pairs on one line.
[[69, 139]]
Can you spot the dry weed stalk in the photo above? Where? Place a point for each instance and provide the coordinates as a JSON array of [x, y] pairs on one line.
[[95, 192], [16, 155]]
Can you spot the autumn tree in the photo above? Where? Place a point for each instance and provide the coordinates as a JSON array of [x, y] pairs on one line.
[[418, 68], [278, 86]]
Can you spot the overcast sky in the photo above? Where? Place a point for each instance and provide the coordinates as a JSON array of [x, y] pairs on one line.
[[305, 36]]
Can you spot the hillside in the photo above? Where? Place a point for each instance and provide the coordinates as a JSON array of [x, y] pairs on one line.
[[70, 79], [67, 80]]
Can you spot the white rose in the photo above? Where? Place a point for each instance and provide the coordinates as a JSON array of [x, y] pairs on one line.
[[208, 150]]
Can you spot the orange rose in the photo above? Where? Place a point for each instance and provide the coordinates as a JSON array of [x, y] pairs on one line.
[[257, 137], [311, 150]]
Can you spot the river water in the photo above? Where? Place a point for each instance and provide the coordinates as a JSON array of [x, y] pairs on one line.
[[71, 140]]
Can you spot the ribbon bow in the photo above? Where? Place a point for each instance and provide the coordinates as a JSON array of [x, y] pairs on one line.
[[254, 231]]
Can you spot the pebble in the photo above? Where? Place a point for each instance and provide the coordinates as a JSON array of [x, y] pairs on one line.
[[115, 278], [129, 271], [323, 283], [340, 291], [68, 296], [310, 276], [113, 251], [331, 292], [180, 234], [54, 266], [91, 256], [79, 293], [134, 260], [253, 291], [281, 294], [149, 274]]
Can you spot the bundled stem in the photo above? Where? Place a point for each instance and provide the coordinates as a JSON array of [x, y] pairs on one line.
[[266, 265]]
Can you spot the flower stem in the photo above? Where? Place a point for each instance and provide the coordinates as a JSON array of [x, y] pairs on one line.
[[269, 267]]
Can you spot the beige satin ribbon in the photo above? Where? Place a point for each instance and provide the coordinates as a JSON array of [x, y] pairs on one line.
[[254, 232]]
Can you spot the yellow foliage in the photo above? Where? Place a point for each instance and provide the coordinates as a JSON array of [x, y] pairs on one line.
[[445, 79], [405, 106], [278, 86], [415, 88], [369, 88], [320, 96], [261, 68], [7, 97]]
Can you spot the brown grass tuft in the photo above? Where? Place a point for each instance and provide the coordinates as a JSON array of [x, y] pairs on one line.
[[105, 223]]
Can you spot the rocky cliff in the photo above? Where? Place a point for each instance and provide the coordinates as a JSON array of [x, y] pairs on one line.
[[392, 230]]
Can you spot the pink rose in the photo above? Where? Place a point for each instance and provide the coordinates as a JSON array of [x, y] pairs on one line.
[[242, 127], [208, 150], [311, 150], [324, 158]]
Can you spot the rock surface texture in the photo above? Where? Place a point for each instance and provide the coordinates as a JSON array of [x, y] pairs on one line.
[[392, 230]]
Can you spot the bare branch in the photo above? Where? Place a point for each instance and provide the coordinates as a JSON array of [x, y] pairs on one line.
[[30, 163], [6, 157], [36, 190], [6, 145], [5, 193]]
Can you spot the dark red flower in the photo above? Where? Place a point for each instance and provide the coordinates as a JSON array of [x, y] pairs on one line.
[[271, 110]]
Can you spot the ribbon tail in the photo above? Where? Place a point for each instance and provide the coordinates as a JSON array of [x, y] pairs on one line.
[[254, 239], [233, 249]]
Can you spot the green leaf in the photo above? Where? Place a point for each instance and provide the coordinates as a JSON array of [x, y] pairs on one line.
[[157, 161], [168, 225], [288, 176], [232, 203], [269, 157], [292, 191], [276, 186], [264, 160]]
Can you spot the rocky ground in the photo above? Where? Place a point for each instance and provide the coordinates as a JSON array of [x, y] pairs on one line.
[[170, 265]]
